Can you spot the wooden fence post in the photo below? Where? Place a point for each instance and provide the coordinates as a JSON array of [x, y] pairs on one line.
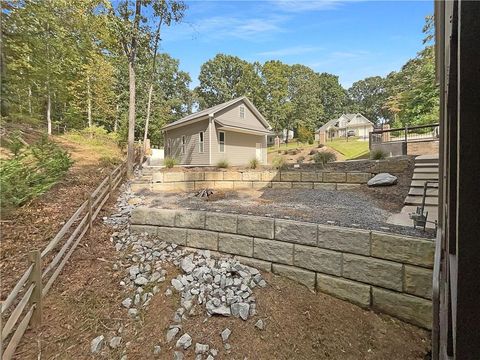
[[36, 278], [90, 213], [406, 134]]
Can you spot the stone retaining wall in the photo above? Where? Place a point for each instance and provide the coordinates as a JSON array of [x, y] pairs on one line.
[[390, 273], [236, 180]]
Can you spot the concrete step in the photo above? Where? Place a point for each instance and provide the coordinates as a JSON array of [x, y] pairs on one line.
[[423, 176], [417, 200], [425, 170], [417, 191], [426, 159], [421, 183], [426, 165]]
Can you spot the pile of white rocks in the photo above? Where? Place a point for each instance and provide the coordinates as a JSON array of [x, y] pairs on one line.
[[220, 284]]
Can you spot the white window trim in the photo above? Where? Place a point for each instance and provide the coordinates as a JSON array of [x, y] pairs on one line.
[[224, 142], [183, 144], [201, 142]]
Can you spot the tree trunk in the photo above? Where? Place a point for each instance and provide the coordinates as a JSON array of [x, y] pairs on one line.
[[89, 103], [30, 100], [49, 118], [131, 119], [115, 124], [147, 120]]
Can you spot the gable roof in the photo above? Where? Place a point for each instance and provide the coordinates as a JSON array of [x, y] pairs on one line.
[[217, 108], [333, 122]]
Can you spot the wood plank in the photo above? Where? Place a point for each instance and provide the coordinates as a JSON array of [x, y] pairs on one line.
[[13, 294], [15, 315], [17, 336]]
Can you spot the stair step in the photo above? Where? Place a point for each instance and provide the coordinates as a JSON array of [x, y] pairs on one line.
[[424, 165], [421, 184], [417, 200], [425, 170], [426, 159], [421, 176], [417, 191]]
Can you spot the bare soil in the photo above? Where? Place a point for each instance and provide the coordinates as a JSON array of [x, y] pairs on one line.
[[85, 303]]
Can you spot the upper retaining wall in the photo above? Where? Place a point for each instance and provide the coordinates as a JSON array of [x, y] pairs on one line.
[[248, 179], [391, 273]]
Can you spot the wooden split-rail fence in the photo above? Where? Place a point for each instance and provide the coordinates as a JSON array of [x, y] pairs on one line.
[[37, 280]]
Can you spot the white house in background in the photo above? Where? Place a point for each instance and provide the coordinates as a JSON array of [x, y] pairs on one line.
[[283, 135], [234, 131], [346, 125]]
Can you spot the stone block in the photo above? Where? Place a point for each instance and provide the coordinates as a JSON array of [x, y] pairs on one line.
[[302, 185], [160, 217], [252, 176], [261, 185], [239, 185], [296, 232], [224, 185], [335, 177], [138, 215], [347, 186], [301, 276], [235, 244], [190, 219], [270, 176], [195, 176], [202, 239], [404, 249], [290, 176], [173, 176], [232, 176], [410, 308], [141, 229], [159, 187], [157, 177], [200, 185], [255, 226], [309, 176], [183, 186], [348, 290], [341, 239], [324, 261], [221, 222], [383, 273], [271, 250], [325, 186], [172, 235], [213, 175], [418, 281], [255, 263], [139, 187], [281, 185], [358, 178]]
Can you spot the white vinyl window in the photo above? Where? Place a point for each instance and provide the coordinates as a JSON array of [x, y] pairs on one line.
[[184, 141], [242, 112], [200, 142], [221, 141]]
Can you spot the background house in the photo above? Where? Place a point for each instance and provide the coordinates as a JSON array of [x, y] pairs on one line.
[[347, 124], [234, 131], [283, 135]]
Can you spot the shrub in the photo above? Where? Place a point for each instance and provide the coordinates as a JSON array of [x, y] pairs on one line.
[[313, 152], [320, 146], [324, 157], [32, 173], [378, 154], [253, 164], [170, 162], [278, 162], [305, 135], [300, 159], [223, 164]]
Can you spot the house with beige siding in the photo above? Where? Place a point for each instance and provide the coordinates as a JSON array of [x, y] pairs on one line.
[[234, 131], [346, 125]]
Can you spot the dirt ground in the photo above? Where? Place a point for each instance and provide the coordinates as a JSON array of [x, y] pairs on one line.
[[85, 302]]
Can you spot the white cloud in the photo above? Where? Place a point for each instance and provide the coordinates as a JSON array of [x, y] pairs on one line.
[[294, 50], [307, 5]]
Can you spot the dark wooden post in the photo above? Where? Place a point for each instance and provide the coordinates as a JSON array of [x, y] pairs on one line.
[[36, 278]]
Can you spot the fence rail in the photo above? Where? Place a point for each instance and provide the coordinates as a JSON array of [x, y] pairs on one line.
[[35, 282], [406, 134]]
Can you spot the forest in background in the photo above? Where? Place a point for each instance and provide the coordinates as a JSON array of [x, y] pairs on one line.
[[68, 64]]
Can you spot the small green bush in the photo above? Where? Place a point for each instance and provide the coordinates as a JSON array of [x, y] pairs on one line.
[[170, 162], [254, 163], [223, 164], [324, 157], [313, 152], [32, 172], [279, 163], [378, 154]]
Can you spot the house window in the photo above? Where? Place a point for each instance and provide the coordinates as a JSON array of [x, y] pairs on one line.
[[221, 141], [183, 144], [200, 142], [242, 112]]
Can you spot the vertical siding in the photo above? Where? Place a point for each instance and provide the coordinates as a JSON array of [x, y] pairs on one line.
[[191, 131]]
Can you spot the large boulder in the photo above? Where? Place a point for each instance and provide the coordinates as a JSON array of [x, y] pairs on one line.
[[382, 179]]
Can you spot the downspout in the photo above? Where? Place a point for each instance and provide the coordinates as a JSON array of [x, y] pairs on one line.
[[210, 125]]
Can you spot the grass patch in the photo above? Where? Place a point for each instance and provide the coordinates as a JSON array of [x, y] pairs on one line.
[[351, 149], [292, 144]]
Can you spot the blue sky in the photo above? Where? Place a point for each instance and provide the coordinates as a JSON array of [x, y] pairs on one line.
[[352, 39]]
